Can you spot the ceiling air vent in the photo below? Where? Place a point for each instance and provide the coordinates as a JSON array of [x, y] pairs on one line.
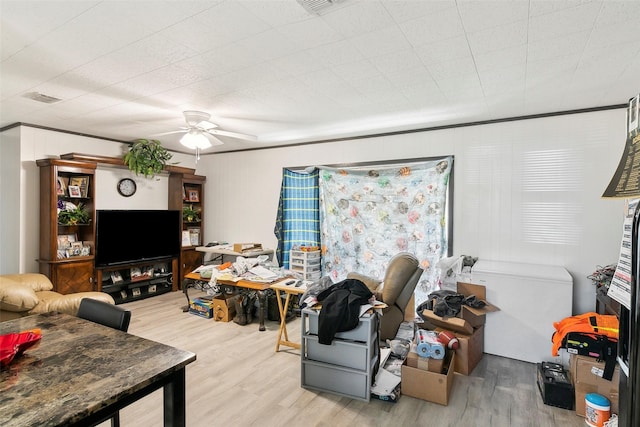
[[318, 6], [40, 97]]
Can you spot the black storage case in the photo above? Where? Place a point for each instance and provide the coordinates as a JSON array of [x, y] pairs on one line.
[[555, 385]]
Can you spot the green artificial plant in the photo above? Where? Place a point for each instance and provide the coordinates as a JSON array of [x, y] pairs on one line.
[[146, 157], [189, 214], [78, 215]]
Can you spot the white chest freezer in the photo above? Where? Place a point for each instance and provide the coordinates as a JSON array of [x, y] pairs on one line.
[[530, 298]]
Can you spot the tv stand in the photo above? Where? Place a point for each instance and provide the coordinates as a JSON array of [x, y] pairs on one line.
[[138, 280]]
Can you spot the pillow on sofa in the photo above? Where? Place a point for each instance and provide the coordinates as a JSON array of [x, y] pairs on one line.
[[36, 281], [14, 296]]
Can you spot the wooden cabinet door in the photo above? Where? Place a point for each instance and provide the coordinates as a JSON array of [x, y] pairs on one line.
[[190, 260], [71, 277]]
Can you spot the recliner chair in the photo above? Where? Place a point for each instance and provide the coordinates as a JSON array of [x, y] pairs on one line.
[[395, 290]]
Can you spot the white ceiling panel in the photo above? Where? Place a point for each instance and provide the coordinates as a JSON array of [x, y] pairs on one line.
[[270, 68], [478, 16], [441, 25], [358, 17]]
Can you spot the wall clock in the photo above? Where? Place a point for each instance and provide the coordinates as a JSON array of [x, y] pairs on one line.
[[127, 187]]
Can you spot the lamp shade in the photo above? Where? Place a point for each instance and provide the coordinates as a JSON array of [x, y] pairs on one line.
[[195, 139]]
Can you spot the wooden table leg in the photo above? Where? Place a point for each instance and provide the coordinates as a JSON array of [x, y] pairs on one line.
[[262, 302], [283, 323], [282, 319]]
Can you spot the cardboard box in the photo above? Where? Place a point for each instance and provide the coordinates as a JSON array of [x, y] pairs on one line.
[[427, 385], [468, 327], [425, 363], [202, 308], [469, 318], [223, 308], [470, 350], [586, 374], [245, 247]]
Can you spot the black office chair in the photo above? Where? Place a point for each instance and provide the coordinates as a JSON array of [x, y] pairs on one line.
[[105, 314], [108, 315]]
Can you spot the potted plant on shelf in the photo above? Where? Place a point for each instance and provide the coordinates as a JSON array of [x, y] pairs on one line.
[[146, 157], [189, 214], [78, 215]]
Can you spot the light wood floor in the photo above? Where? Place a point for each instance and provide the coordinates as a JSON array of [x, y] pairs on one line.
[[239, 380]]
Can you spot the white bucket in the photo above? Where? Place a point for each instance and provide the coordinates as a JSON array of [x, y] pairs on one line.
[[597, 410]]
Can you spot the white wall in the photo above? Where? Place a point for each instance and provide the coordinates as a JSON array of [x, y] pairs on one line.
[[38, 144], [506, 178], [10, 199], [526, 191]]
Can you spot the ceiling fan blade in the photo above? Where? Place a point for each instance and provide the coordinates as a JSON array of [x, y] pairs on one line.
[[214, 140], [232, 134], [169, 133], [206, 125]]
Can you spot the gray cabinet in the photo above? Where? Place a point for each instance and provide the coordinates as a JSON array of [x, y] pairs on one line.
[[348, 365]]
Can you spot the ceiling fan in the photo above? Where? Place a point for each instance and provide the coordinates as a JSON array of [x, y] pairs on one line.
[[200, 133]]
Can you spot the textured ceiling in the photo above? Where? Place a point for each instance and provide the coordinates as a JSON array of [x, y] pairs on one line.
[[127, 70]]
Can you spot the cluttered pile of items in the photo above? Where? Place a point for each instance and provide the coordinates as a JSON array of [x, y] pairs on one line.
[[590, 385], [448, 339]]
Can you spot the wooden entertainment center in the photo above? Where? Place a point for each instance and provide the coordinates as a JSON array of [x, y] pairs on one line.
[[67, 250]]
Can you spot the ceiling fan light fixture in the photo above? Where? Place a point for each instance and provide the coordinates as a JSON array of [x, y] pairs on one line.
[[195, 139]]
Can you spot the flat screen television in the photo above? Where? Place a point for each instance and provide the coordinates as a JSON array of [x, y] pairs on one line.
[[128, 236]]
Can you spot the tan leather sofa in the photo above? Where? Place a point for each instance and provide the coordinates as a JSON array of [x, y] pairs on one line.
[[31, 293], [395, 290]]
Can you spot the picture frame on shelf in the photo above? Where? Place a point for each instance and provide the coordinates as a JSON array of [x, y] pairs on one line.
[[74, 191], [186, 240], [194, 195], [76, 248], [61, 186], [194, 236], [82, 182], [65, 241]]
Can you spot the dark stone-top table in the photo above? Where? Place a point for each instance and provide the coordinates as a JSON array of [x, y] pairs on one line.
[[83, 372]]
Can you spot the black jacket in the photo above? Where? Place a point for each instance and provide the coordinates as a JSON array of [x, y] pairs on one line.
[[341, 308]]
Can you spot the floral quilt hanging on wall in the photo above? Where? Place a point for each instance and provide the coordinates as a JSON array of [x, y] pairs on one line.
[[368, 215]]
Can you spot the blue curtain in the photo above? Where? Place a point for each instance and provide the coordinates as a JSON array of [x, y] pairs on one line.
[[298, 217]]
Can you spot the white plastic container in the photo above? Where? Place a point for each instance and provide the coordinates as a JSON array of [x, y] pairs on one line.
[[597, 409]]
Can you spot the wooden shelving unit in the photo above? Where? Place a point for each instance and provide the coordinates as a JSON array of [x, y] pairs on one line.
[[76, 272], [187, 189], [66, 251]]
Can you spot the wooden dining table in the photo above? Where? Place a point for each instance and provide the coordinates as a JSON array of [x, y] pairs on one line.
[[81, 373]]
